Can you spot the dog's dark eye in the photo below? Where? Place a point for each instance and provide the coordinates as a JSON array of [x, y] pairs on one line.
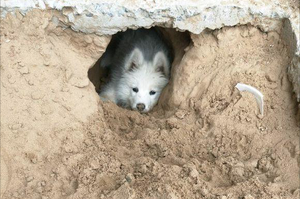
[[135, 89], [152, 92]]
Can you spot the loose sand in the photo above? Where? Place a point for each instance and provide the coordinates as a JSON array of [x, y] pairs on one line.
[[203, 140]]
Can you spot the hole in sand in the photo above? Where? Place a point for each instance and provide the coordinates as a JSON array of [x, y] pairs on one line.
[[178, 41]]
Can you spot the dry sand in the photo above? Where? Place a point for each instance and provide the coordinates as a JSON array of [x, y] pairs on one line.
[[203, 140]]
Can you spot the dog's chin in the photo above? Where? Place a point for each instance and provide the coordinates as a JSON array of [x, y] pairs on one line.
[[145, 111]]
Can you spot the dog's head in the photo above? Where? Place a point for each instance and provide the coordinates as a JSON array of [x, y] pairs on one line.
[[144, 80]]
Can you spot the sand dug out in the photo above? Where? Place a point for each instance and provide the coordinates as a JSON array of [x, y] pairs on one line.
[[204, 139]]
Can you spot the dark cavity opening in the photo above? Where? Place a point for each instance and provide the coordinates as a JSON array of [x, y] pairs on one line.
[[178, 41]]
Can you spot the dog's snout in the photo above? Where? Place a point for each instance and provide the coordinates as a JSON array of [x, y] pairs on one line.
[[140, 106]]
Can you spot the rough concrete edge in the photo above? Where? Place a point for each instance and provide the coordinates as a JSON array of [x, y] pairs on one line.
[[88, 17]]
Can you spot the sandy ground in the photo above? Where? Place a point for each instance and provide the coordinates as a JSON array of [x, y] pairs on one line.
[[203, 140]]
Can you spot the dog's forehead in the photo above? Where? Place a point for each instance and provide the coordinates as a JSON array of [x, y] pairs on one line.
[[149, 81], [146, 78]]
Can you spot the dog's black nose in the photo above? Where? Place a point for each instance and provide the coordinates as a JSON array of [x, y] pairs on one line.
[[140, 106]]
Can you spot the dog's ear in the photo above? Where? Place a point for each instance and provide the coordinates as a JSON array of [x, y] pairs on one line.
[[135, 60], [161, 64]]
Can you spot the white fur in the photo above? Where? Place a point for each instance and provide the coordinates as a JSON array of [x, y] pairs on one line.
[[145, 75]]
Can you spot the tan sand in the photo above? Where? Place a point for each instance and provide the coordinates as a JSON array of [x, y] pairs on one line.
[[204, 140]]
